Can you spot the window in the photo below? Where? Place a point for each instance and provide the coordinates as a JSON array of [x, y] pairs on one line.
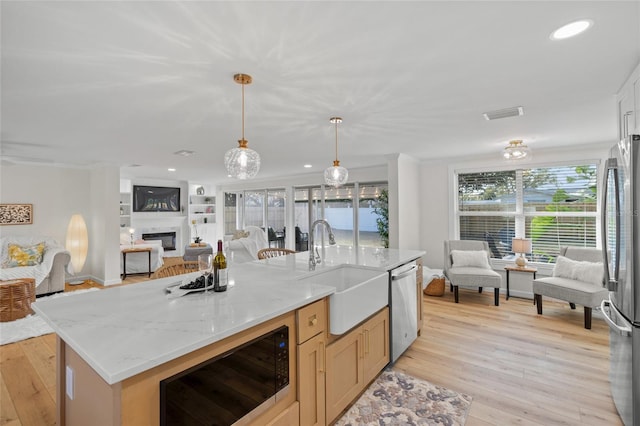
[[553, 206], [337, 205], [262, 208]]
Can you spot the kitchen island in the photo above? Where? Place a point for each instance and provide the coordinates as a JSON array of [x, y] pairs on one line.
[[115, 346]]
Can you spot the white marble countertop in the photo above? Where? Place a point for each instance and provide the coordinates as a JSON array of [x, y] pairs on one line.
[[123, 331]]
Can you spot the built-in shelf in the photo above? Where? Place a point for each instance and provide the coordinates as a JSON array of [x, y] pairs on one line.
[[202, 209], [125, 209], [202, 215]]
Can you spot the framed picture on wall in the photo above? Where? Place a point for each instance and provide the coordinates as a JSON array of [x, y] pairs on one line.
[[16, 214]]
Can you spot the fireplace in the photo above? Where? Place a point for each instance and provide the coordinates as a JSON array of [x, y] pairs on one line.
[[168, 239]]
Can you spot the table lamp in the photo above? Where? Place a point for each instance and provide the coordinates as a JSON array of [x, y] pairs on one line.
[[522, 246]]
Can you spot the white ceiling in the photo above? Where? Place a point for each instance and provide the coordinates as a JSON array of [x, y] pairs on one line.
[[95, 83]]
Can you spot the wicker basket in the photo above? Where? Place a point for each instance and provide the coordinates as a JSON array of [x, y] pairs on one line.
[[16, 297], [435, 287]]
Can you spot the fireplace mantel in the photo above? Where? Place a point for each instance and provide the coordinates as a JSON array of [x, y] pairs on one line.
[[150, 223]]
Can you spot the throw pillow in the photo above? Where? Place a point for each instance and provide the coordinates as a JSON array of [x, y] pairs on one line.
[[563, 268], [24, 256], [589, 272], [240, 234], [474, 258]]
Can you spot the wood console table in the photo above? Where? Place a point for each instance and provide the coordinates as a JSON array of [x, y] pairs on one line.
[[125, 251]]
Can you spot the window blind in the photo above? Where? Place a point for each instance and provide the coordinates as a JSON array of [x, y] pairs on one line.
[[553, 206]]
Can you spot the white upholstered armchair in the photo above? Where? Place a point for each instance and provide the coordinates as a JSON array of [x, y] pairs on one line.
[[578, 278], [466, 264]]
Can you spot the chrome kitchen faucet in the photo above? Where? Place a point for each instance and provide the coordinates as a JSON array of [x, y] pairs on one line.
[[315, 259]]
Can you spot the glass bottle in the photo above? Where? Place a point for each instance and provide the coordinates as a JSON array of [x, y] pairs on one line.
[[220, 275]]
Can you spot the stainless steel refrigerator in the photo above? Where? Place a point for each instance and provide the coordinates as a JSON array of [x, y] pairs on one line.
[[621, 249]]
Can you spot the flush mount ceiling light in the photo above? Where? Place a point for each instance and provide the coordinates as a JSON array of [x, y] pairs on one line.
[[516, 150], [242, 162], [571, 30], [336, 175]]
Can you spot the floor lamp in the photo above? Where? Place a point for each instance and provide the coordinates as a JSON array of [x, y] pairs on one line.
[[77, 244]]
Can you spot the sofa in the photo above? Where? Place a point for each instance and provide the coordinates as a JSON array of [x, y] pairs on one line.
[[49, 271], [244, 245]]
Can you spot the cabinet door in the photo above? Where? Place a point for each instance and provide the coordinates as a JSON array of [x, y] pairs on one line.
[[376, 344], [626, 116], [311, 367], [635, 122], [344, 373]]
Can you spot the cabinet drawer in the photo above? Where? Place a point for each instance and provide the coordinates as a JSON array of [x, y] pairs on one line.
[[311, 319]]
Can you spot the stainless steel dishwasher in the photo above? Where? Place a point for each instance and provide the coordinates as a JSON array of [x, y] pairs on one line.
[[403, 302]]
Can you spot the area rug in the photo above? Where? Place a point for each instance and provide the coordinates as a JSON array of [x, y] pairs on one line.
[[395, 398], [31, 325]]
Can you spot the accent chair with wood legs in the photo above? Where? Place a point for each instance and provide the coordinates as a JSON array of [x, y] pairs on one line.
[[577, 278], [466, 264]]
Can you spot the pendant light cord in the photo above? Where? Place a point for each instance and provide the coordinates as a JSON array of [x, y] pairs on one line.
[[242, 111], [336, 140]]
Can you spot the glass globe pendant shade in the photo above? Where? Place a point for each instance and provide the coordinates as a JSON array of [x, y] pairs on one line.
[[516, 150], [336, 175], [242, 162]]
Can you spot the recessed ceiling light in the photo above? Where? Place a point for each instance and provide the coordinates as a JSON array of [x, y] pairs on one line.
[[572, 29], [184, 152], [308, 166], [171, 169]]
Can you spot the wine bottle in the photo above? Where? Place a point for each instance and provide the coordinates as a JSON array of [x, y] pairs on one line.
[[220, 276]]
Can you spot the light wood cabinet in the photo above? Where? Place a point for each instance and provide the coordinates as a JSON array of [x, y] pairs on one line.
[[311, 373], [288, 417], [375, 345], [311, 322], [354, 360]]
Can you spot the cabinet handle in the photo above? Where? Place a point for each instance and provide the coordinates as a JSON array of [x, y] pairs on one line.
[[625, 125], [313, 320], [322, 355], [366, 341], [361, 345]]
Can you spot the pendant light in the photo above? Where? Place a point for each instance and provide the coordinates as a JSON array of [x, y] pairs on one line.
[[242, 162], [336, 175]]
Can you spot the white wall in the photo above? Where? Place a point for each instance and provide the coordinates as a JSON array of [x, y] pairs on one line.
[[56, 194], [434, 211], [104, 239], [404, 202]]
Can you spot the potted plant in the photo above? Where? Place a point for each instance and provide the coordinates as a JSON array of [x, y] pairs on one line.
[[382, 221]]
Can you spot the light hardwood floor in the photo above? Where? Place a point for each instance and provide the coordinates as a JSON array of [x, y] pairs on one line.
[[520, 368]]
